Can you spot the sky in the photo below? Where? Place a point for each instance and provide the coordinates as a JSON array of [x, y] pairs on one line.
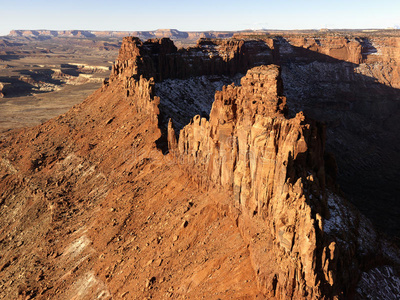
[[124, 15]]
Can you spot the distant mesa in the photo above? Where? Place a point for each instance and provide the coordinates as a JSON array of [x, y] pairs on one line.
[[176, 34], [170, 33], [51, 33]]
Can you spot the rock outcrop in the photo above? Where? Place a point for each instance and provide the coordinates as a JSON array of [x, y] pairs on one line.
[[160, 59], [1, 90], [271, 166], [245, 204], [4, 88], [358, 100], [279, 180], [341, 48]]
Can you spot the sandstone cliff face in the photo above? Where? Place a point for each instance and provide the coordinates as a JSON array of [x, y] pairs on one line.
[[244, 206], [218, 62], [5, 87], [358, 100], [1, 90], [341, 48], [91, 208], [160, 59], [381, 61], [351, 83], [377, 57], [249, 148], [275, 171]]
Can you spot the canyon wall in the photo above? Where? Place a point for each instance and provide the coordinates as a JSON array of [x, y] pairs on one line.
[[349, 83], [161, 59], [353, 86], [374, 57], [244, 205], [280, 181], [263, 159]]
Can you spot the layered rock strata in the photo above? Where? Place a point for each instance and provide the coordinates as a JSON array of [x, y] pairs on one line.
[[160, 59], [347, 82], [244, 206], [280, 182], [355, 91]]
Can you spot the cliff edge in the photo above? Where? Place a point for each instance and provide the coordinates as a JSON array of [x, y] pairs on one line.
[[244, 205]]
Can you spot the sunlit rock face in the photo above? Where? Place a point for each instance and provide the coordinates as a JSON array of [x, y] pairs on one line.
[[112, 199]]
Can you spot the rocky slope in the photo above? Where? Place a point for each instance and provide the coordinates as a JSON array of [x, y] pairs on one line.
[[244, 205]]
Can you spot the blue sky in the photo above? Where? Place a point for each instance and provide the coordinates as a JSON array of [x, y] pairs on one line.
[[197, 15]]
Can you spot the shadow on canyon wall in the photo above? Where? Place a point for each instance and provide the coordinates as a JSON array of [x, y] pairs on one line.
[[361, 116], [362, 119]]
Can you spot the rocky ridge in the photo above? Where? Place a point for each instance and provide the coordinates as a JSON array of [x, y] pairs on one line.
[[160, 59], [227, 152], [91, 189], [278, 175]]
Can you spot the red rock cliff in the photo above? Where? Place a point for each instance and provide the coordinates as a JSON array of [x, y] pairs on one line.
[[244, 207], [160, 59], [278, 181]]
